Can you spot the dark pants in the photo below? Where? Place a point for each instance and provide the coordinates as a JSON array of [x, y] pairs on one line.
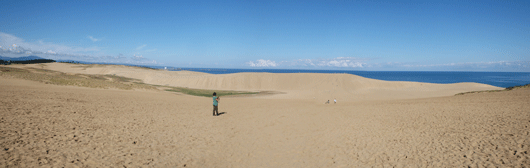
[[215, 110]]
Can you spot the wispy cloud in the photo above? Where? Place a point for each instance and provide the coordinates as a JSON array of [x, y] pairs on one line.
[[513, 66], [18, 45], [341, 62], [93, 39], [262, 63], [368, 64], [140, 47], [338, 62], [138, 57], [474, 65], [12, 46]]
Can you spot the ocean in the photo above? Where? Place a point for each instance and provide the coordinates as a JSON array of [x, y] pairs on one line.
[[500, 79]]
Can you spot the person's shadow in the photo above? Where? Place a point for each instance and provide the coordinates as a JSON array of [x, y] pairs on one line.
[[221, 113]]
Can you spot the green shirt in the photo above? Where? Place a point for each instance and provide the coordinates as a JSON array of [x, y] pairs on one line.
[[215, 101]]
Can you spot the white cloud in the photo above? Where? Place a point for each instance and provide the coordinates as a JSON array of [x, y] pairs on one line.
[[140, 47], [262, 63], [138, 57], [12, 46], [304, 62], [18, 44], [467, 64], [363, 63], [517, 66], [93, 39], [350, 62], [340, 62]]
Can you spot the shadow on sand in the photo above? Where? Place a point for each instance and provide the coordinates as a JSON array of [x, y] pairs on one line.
[[221, 113]]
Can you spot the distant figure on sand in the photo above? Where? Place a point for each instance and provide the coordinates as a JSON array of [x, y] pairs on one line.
[[215, 104], [327, 102], [335, 101]]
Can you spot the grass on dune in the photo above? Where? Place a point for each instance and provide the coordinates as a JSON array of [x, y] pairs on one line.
[[518, 87], [101, 81], [505, 89], [207, 93], [85, 66], [83, 80]]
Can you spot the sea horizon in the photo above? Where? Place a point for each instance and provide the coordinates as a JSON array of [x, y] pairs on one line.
[[499, 79]]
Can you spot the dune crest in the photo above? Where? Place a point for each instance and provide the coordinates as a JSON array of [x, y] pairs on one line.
[[48, 125], [320, 87]]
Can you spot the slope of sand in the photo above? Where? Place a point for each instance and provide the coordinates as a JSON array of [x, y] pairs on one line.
[[45, 125], [316, 87]]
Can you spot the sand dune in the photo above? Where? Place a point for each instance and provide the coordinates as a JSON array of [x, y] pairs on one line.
[[44, 125], [316, 87]]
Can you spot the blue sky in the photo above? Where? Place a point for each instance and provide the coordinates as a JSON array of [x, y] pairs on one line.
[[346, 35]]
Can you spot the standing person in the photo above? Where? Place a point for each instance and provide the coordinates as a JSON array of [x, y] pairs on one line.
[[335, 101], [215, 104]]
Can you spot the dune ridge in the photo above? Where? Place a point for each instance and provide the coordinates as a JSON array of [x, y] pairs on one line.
[[319, 87]]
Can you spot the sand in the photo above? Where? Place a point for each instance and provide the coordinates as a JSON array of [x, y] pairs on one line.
[[384, 124], [317, 87]]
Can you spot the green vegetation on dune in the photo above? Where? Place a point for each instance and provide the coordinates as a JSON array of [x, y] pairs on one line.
[[518, 87], [102, 81], [207, 93], [505, 89], [84, 66], [83, 80], [478, 92]]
